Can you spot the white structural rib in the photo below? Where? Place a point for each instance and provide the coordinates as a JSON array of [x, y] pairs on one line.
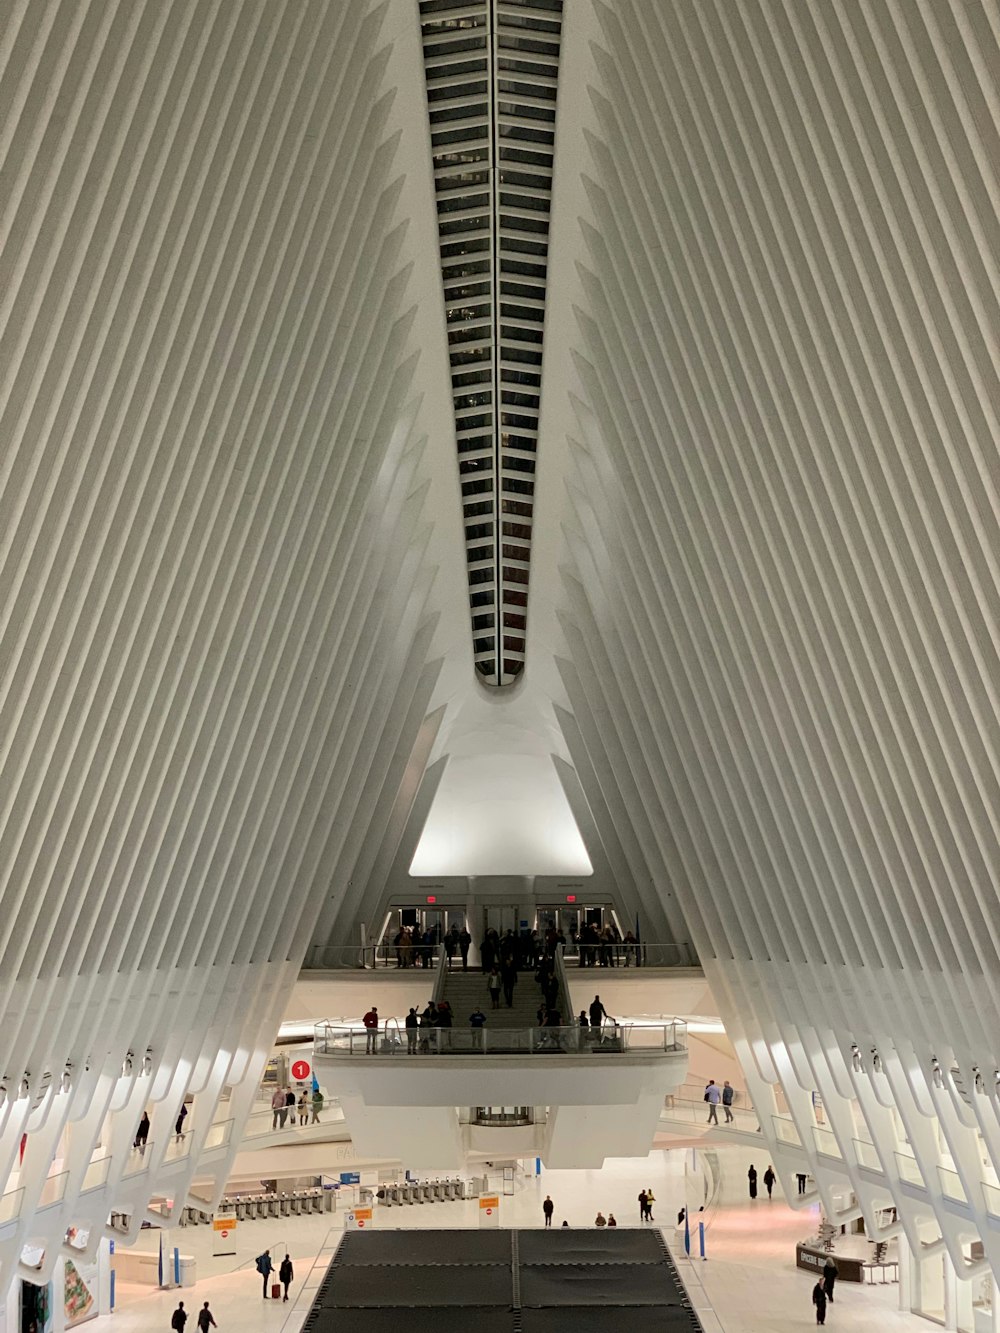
[[781, 599], [215, 599]]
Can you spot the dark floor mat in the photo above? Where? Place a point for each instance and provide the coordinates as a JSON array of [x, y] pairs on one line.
[[606, 1319], [425, 1247], [634, 1284], [563, 1245], [368, 1285], [426, 1319]]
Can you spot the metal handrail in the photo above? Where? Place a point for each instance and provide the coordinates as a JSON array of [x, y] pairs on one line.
[[612, 1039], [367, 956]]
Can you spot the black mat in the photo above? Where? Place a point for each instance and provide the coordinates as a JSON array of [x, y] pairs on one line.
[[425, 1247], [606, 1319], [363, 1286], [564, 1245], [428, 1319], [633, 1284]]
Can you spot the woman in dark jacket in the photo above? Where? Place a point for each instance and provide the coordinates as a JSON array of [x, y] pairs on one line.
[[752, 1178], [286, 1273]]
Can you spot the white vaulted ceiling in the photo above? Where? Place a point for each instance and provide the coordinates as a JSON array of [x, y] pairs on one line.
[[236, 653]]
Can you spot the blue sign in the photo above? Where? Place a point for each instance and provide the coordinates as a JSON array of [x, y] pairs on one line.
[[350, 1177]]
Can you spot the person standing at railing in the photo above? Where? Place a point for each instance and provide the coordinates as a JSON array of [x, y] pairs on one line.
[[142, 1133], [631, 950], [317, 1106], [370, 1021], [411, 1022], [303, 1108], [277, 1107], [289, 1108], [477, 1021]]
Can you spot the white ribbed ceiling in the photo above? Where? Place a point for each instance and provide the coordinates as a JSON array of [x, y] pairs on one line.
[[234, 621]]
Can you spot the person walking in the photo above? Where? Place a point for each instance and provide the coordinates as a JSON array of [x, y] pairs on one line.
[[464, 943], [548, 1208], [179, 1127], [411, 1023], [727, 1101], [370, 1021], [493, 984], [303, 1108], [830, 1274], [317, 1106], [508, 978], [265, 1268], [142, 1133], [597, 1015], [752, 1178], [769, 1179], [278, 1108], [713, 1096], [642, 1205], [801, 1181], [819, 1300], [206, 1319], [286, 1275], [289, 1107], [179, 1318]]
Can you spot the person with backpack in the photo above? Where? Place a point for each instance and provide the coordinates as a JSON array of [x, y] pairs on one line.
[[286, 1274], [265, 1268], [205, 1319], [179, 1318]]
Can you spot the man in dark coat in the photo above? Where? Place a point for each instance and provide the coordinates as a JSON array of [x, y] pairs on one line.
[[752, 1178], [830, 1275]]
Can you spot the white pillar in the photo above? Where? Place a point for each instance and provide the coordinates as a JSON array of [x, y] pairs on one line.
[[950, 1295], [905, 1272], [994, 1304]]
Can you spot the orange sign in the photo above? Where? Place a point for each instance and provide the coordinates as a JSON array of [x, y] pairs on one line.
[[224, 1224], [489, 1202]]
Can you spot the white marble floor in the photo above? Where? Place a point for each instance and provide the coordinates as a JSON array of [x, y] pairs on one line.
[[749, 1279]]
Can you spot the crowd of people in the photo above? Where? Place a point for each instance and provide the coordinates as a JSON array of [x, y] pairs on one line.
[[591, 945]]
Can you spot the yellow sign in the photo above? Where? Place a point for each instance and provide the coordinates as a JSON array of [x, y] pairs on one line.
[[489, 1201], [224, 1224], [363, 1214]]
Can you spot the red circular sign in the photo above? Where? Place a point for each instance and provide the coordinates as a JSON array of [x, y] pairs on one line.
[[301, 1069], [489, 1212], [361, 1222], [224, 1234]]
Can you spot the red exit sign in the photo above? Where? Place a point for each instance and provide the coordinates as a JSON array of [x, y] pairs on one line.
[[432, 898], [571, 897]]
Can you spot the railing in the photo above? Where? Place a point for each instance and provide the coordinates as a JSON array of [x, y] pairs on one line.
[[502, 1117], [54, 1190], [10, 1205], [261, 1123], [219, 1134], [332, 956], [612, 1039], [909, 1170], [96, 1174], [619, 954], [689, 1112]]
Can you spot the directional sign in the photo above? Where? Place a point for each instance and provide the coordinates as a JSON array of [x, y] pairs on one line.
[[489, 1210], [359, 1219], [301, 1069]]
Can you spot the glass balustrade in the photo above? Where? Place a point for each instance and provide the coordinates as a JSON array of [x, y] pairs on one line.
[[219, 1134], [908, 1169], [96, 1174], [636, 1039], [867, 1155], [951, 1185], [826, 1142], [10, 1205], [54, 1190]]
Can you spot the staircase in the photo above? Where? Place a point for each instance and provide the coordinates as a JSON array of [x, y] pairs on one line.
[[465, 990]]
